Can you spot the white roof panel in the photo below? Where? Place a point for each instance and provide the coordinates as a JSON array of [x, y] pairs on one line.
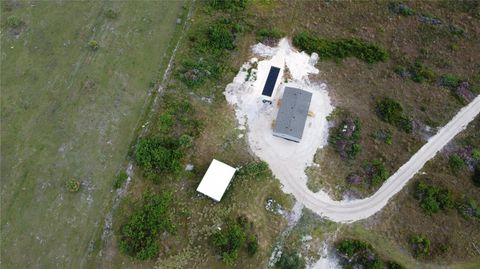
[[216, 180]]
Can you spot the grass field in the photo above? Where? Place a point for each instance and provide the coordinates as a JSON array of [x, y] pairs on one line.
[[70, 112]]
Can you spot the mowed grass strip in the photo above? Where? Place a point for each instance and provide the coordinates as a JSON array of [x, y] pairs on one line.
[[70, 112]]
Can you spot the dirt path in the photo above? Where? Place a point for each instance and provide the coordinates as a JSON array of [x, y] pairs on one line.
[[349, 211]]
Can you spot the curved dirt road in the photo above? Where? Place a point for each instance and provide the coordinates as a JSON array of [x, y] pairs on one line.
[[349, 211]]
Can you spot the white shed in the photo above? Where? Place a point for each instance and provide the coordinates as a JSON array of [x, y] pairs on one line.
[[216, 180]]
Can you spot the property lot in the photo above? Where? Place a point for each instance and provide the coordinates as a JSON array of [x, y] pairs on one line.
[[69, 111]]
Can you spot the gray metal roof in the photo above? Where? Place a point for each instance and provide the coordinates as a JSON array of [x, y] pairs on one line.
[[292, 114]]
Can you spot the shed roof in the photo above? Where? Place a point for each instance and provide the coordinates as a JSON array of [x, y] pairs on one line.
[[216, 180], [292, 114]]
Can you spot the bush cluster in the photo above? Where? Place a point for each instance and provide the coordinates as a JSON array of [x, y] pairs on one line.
[[376, 172], [346, 138], [451, 81], [120, 179], [470, 209], [420, 245], [391, 111], [258, 170], [456, 163], [229, 240], [340, 49], [13, 21], [72, 185], [359, 254], [158, 156], [432, 198], [269, 34], [290, 259], [139, 235], [417, 71], [227, 4]]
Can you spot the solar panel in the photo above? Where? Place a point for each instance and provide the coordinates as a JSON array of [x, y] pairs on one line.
[[271, 81]]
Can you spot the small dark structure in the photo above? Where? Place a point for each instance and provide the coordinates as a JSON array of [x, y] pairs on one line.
[[270, 83], [292, 114]]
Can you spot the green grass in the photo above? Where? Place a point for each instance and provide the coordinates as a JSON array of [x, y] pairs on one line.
[[69, 112]]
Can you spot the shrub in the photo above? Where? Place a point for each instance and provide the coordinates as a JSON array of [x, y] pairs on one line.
[[13, 21], [394, 265], [421, 72], [383, 135], [420, 245], [476, 176], [165, 123], [220, 37], [290, 260], [456, 163], [345, 138], [185, 141], [72, 185], [252, 245], [258, 170], [451, 81], [227, 4], [349, 247], [228, 242], [433, 199], [93, 45], [391, 111], [269, 34], [158, 156], [376, 172], [195, 74], [140, 234], [111, 14], [358, 254], [400, 9], [470, 209], [476, 155], [120, 179], [340, 49]]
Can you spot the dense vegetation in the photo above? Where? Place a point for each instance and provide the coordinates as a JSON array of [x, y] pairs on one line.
[[229, 240], [432, 198], [345, 138], [359, 254], [176, 127], [158, 156], [140, 234], [391, 111], [290, 259], [340, 49]]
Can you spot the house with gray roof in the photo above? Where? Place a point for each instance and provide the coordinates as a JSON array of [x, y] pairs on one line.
[[292, 115]]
